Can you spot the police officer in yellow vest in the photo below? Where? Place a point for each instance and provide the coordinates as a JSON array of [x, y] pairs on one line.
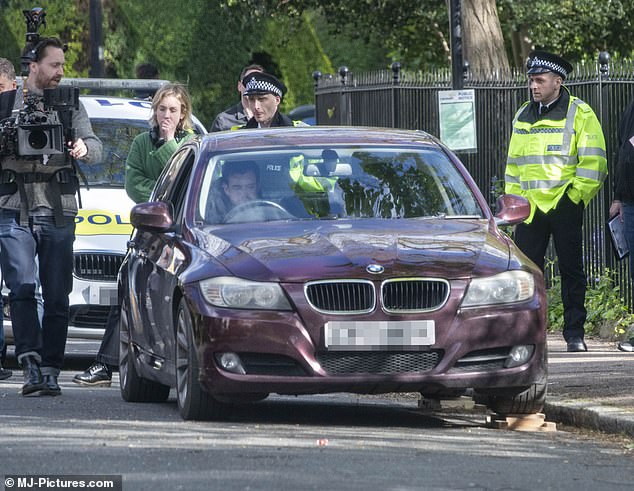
[[557, 160]]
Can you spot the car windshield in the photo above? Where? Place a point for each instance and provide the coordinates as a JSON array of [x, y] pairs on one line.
[[334, 183], [116, 136]]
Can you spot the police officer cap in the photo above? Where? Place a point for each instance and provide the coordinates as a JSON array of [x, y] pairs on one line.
[[542, 62], [257, 83]]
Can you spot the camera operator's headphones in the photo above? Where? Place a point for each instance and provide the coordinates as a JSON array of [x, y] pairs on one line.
[[158, 142]]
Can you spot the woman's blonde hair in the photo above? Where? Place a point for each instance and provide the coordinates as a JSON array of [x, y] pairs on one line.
[[180, 92]]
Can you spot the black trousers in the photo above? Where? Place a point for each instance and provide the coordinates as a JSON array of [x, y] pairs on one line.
[[109, 349], [564, 224]]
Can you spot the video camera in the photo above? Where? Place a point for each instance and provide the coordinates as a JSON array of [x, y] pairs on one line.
[[36, 129]]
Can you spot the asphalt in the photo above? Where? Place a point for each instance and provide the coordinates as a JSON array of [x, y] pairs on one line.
[[593, 390]]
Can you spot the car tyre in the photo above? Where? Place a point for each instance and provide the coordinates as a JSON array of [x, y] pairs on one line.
[[528, 401], [194, 402], [135, 388]]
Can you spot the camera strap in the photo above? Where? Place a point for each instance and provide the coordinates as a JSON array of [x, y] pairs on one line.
[[81, 174], [24, 202], [54, 192]]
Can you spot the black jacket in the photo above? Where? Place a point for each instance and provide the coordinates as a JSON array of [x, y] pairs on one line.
[[624, 175], [278, 120]]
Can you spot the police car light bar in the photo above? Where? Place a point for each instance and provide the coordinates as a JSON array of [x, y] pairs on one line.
[[113, 83]]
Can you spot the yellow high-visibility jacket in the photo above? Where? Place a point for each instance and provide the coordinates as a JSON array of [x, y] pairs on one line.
[[561, 152]]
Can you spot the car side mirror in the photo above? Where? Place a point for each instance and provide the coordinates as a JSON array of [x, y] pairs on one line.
[[511, 209], [153, 216]]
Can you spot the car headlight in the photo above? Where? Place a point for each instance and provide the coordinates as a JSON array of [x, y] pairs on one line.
[[507, 287], [236, 293]]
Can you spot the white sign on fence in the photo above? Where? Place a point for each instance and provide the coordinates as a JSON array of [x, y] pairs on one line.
[[457, 119]]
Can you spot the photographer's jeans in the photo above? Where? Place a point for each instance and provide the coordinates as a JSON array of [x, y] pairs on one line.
[[19, 247]]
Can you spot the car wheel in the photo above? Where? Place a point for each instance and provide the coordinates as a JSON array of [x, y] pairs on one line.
[[527, 401], [193, 401], [135, 388]]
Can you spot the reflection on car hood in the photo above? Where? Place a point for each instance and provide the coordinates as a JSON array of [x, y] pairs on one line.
[[305, 250]]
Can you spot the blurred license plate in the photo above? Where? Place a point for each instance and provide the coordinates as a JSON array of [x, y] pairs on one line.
[[103, 295], [382, 335]]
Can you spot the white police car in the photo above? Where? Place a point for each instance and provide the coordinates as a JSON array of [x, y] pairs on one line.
[[102, 224]]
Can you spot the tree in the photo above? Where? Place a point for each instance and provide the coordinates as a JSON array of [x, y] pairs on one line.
[[64, 19], [416, 32], [576, 29], [484, 44]]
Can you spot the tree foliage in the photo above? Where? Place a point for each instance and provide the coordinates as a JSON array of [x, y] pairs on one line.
[[206, 43], [577, 29]]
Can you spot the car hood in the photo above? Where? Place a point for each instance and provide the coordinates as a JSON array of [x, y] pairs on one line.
[[297, 251]]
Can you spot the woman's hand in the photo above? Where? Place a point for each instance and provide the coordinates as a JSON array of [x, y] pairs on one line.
[[167, 129]]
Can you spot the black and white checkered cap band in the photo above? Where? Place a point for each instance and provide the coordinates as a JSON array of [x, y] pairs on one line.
[[262, 86], [551, 65]]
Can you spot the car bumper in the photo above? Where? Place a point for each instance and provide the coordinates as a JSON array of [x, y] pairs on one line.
[[280, 355]]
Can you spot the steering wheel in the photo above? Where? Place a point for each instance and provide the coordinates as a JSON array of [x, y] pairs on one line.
[[275, 211]]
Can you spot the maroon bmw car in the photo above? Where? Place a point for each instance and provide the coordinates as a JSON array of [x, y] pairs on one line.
[[314, 260]]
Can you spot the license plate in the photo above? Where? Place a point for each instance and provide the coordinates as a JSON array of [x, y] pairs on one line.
[[103, 296], [381, 335]]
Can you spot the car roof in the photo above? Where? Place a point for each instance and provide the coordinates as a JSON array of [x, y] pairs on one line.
[[311, 135], [108, 107]]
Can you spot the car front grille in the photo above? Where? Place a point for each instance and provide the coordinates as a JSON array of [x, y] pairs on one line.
[[414, 295], [97, 266], [90, 316], [342, 296], [397, 296], [344, 363]]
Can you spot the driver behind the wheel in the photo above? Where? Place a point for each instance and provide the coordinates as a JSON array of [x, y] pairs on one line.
[[239, 184]]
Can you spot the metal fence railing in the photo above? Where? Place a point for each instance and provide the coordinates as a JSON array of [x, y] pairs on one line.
[[400, 99]]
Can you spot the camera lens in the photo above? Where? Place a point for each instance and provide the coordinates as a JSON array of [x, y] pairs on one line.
[[38, 139]]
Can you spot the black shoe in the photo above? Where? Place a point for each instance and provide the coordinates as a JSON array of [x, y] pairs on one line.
[[576, 345], [626, 346], [4, 373], [51, 387], [97, 374], [33, 380]]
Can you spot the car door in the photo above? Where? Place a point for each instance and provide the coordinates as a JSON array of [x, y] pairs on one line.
[[158, 257]]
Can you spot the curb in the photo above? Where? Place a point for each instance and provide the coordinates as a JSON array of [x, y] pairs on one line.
[[588, 415]]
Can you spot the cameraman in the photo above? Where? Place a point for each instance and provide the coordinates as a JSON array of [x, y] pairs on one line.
[[37, 218]]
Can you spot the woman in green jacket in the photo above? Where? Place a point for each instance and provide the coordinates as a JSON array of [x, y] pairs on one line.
[[171, 126]]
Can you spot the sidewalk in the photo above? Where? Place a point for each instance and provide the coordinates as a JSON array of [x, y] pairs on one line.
[[592, 390]]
